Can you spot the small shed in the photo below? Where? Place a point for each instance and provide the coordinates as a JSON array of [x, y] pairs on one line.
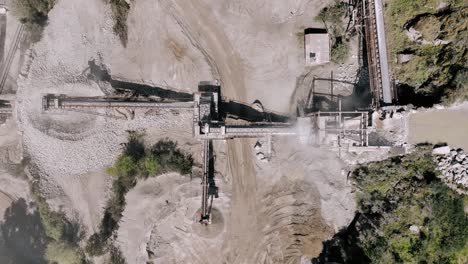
[[317, 46]]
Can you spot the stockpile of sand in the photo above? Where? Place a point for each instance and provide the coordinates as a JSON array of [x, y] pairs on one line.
[[160, 223], [71, 150], [283, 206], [305, 198]]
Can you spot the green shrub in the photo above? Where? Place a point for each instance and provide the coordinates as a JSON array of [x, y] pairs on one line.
[[339, 52], [135, 162], [126, 166], [96, 245], [116, 256], [63, 234], [171, 158], [332, 16], [393, 195], [56, 224], [151, 165], [63, 253], [333, 13], [404, 191], [434, 69]]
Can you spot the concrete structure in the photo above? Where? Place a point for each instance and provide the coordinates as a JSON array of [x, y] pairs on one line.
[[377, 53], [209, 123], [52, 101], [317, 47], [386, 88], [3, 24]]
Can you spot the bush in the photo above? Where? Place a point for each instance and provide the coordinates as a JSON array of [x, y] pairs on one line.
[[339, 52], [333, 13], [116, 256], [395, 194], [332, 16], [434, 69], [125, 166], [151, 165], [135, 162], [120, 9], [63, 234], [401, 192], [63, 253], [56, 224], [33, 13], [171, 158], [96, 245]]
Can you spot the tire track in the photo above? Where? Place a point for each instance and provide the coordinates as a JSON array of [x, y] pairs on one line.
[[204, 31]]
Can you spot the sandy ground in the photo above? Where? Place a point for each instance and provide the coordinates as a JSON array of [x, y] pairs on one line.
[[275, 213], [249, 45], [448, 125], [161, 225], [300, 198]]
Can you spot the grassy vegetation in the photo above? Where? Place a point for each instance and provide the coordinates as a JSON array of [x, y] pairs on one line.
[[64, 253], [401, 192], [33, 13], [136, 162], [339, 52], [63, 235], [404, 191], [436, 70], [120, 9], [333, 18]]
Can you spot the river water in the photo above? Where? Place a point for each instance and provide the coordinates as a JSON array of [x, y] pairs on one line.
[[443, 125]]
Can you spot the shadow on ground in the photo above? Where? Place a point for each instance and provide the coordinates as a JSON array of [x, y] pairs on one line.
[[233, 109], [22, 237], [343, 247]]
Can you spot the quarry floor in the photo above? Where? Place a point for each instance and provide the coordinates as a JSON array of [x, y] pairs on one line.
[[276, 212], [268, 212]]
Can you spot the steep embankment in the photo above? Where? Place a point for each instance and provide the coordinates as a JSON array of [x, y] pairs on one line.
[[428, 41], [405, 215]]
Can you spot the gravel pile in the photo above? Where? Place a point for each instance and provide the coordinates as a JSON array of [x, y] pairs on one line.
[[453, 163]]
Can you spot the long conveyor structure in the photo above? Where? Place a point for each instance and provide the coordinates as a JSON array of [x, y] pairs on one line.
[[208, 125], [52, 101]]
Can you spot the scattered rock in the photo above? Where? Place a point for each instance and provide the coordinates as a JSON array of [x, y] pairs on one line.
[[414, 229], [441, 150], [460, 157], [413, 34], [404, 58], [258, 146], [443, 6], [257, 105], [260, 156], [454, 167]]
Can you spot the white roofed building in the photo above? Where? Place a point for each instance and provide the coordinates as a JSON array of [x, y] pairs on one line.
[[317, 47]]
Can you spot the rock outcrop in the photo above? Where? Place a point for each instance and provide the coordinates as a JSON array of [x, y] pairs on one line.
[[453, 164]]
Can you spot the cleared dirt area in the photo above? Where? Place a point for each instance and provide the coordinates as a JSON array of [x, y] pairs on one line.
[[277, 212]]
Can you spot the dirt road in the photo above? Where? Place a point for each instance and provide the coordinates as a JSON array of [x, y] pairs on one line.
[[202, 29]]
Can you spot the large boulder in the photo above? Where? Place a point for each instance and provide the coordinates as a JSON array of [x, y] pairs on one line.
[[441, 150]]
